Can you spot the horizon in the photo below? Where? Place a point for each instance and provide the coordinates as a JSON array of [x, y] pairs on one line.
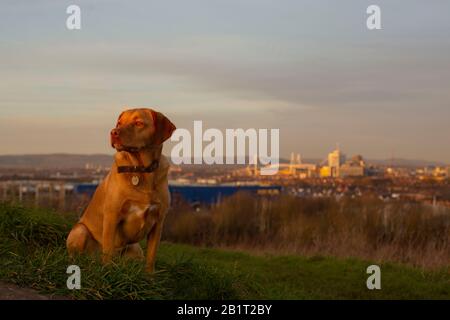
[[284, 159], [309, 68]]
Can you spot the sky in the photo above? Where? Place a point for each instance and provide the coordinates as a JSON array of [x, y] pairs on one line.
[[309, 68]]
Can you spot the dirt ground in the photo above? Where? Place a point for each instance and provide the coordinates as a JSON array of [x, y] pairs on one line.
[[13, 292]]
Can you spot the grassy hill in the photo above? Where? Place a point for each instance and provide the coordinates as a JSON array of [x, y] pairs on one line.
[[32, 254]]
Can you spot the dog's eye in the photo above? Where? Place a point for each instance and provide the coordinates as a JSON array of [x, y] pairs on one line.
[[139, 124]]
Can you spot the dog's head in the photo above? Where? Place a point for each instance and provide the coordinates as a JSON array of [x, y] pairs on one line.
[[140, 128]]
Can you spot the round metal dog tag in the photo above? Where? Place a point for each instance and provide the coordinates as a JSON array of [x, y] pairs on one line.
[[135, 180]]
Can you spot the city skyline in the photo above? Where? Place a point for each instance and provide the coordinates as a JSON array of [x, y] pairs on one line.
[[309, 68]]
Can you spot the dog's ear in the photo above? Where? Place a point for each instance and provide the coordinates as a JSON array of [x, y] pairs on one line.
[[163, 127]]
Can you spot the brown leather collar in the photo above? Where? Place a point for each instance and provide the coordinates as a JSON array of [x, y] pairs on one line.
[[139, 169], [138, 149]]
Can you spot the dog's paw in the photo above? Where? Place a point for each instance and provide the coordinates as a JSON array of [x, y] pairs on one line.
[[106, 258]]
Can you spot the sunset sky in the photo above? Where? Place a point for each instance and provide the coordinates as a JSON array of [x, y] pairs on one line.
[[310, 68]]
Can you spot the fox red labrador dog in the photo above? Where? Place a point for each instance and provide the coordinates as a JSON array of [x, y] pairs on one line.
[[132, 201]]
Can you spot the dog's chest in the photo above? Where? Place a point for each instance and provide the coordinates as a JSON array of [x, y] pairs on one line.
[[137, 220], [138, 210]]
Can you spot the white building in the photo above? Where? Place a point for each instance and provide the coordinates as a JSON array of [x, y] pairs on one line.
[[335, 160]]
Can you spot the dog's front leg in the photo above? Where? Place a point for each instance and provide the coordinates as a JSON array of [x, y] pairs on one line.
[[153, 239], [109, 231]]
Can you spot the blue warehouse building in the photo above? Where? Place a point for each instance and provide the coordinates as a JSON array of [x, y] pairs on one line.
[[200, 194]]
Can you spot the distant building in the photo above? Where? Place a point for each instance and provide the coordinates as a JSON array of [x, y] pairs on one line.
[[335, 160], [399, 172], [200, 194], [296, 168], [305, 170], [355, 167], [440, 173], [325, 172], [351, 171], [432, 172]]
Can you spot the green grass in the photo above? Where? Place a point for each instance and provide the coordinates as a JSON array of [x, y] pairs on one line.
[[294, 277], [32, 254]]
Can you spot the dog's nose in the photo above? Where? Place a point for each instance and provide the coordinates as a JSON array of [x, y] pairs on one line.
[[115, 132]]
